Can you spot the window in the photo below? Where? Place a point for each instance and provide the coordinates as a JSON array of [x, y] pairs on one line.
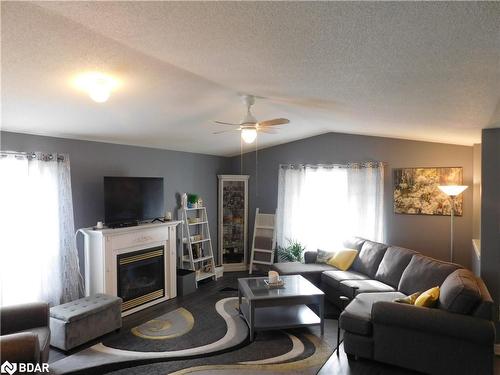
[[39, 261], [320, 206]]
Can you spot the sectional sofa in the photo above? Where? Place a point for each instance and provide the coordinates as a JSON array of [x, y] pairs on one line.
[[456, 337]]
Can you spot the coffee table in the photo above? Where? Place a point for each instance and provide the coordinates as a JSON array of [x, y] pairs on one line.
[[266, 308]]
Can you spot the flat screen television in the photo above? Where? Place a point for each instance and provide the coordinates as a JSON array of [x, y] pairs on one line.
[[132, 199]]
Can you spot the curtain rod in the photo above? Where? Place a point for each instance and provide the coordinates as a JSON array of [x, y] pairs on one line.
[[347, 165], [33, 155]]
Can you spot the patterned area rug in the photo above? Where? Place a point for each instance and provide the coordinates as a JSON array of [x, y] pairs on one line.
[[206, 337], [182, 328]]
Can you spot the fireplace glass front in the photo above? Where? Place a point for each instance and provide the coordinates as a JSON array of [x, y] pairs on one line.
[[141, 276]]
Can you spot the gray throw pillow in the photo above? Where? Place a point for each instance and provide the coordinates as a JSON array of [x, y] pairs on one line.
[[324, 255]]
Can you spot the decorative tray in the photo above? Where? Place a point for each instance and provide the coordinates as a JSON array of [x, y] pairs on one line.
[[280, 284]]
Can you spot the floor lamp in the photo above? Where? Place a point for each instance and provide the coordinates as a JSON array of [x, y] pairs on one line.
[[452, 191]]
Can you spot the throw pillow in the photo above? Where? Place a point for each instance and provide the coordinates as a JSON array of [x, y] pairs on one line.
[[428, 298], [410, 300], [460, 292], [343, 259], [323, 256]]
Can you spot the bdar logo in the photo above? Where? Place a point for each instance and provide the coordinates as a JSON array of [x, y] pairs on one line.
[[8, 368]]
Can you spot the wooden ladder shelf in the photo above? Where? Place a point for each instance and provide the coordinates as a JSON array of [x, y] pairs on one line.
[[264, 239], [196, 244]]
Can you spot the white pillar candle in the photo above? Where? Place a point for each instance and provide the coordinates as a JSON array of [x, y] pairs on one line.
[[273, 277]]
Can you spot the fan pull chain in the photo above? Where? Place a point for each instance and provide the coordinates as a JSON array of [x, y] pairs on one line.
[[241, 156], [256, 169]]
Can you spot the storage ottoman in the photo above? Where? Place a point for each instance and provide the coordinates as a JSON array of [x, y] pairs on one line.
[[77, 322]]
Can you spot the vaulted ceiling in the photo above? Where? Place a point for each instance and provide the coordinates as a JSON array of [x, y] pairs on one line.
[[416, 70]]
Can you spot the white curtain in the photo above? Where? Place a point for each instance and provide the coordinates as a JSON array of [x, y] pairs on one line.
[[321, 205], [39, 260]]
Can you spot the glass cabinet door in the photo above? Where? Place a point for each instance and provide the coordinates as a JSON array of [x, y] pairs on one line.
[[233, 221]]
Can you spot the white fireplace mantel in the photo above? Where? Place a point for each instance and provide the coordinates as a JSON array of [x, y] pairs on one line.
[[102, 247]]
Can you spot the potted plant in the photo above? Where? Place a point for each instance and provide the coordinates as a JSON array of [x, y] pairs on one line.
[[192, 200], [293, 252]]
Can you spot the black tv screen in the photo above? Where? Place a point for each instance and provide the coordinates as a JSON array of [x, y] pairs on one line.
[[129, 199]]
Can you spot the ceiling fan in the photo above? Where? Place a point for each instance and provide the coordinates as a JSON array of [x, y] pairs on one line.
[[249, 126]]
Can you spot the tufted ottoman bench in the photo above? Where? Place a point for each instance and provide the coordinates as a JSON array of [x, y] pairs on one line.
[[80, 321]]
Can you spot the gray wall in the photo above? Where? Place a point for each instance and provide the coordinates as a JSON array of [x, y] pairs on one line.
[[427, 234], [90, 161], [490, 211]]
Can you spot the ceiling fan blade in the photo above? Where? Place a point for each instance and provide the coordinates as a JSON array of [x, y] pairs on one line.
[[267, 131], [225, 131], [225, 123], [273, 122]]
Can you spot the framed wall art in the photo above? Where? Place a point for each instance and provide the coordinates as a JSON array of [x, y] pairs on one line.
[[416, 191]]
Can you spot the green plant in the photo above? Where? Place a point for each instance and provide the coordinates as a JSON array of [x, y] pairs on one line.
[[192, 198], [293, 252]]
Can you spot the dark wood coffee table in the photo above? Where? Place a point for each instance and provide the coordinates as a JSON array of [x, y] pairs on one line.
[[266, 308]]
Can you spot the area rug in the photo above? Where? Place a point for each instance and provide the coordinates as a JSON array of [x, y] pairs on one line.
[[205, 336]]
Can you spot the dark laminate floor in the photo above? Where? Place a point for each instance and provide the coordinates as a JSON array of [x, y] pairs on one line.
[[336, 365]]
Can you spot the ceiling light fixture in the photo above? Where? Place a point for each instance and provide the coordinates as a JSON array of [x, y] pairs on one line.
[[97, 85], [249, 135]]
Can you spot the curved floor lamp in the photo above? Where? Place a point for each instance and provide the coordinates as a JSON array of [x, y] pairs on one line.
[[452, 191]]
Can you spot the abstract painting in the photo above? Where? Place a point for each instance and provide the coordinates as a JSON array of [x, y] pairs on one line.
[[416, 191]]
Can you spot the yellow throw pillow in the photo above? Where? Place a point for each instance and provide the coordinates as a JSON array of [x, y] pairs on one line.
[[410, 300], [428, 298], [343, 259]]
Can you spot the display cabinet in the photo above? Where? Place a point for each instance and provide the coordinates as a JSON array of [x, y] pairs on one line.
[[232, 222]]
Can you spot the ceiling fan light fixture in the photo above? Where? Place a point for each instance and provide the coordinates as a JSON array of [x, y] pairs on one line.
[[248, 135], [97, 85]]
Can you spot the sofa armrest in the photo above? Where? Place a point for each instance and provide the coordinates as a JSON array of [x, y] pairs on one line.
[[21, 317], [310, 256], [20, 347], [433, 321]]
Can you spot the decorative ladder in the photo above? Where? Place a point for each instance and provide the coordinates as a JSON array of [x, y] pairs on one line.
[[196, 244], [264, 240]]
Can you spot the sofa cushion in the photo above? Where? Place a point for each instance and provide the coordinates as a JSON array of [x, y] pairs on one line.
[[357, 316], [369, 258], [333, 278], [311, 271], [424, 273], [460, 292], [351, 288], [393, 264], [354, 243], [297, 268]]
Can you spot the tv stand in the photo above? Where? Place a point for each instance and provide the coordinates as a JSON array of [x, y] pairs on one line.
[[124, 224]]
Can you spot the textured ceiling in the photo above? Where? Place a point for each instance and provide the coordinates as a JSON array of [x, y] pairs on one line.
[[425, 71]]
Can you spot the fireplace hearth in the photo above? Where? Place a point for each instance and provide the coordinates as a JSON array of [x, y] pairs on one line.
[[141, 277]]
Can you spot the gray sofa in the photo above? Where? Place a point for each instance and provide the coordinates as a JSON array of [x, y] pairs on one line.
[[457, 337], [25, 333]]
